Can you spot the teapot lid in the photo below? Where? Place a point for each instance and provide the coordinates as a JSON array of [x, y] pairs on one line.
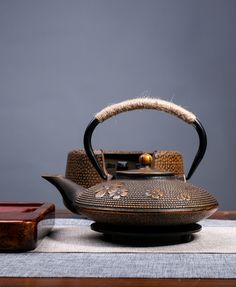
[[145, 171]]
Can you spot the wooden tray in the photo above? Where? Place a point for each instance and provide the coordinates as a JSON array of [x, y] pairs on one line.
[[23, 224]]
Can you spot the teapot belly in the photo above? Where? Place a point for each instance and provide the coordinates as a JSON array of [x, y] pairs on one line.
[[149, 218]]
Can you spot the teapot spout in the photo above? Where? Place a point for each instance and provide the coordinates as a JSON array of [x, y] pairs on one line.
[[68, 189]]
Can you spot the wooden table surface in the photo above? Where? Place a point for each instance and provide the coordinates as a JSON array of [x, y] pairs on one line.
[[122, 282]]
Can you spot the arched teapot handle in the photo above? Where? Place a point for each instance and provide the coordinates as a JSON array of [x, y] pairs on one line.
[[145, 103]]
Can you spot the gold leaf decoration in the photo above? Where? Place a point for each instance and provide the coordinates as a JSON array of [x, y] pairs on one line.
[[155, 193], [100, 193], [115, 191], [124, 192], [184, 196]]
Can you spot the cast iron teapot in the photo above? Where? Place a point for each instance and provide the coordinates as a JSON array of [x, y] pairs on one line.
[[142, 197]]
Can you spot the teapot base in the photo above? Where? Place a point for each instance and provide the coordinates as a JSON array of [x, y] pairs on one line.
[[147, 235]]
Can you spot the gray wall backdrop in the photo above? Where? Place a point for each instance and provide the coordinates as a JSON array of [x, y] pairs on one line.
[[63, 61]]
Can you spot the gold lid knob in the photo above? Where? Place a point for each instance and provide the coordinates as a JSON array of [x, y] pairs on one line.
[[145, 159]]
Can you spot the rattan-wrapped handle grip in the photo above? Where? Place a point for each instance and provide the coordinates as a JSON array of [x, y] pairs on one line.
[[145, 103]]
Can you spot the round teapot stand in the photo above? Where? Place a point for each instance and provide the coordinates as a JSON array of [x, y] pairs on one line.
[[146, 236]]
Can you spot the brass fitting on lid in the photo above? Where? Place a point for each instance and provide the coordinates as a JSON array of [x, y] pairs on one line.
[[145, 159]]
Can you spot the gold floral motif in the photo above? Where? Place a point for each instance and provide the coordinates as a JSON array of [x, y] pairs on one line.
[[184, 196], [155, 193], [115, 191]]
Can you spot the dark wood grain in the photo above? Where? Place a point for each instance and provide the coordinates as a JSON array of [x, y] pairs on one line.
[[116, 282], [124, 282], [227, 215]]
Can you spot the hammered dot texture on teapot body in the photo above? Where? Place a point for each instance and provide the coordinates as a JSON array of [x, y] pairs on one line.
[[143, 194]]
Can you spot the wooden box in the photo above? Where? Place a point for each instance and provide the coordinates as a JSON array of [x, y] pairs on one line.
[[23, 224]]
